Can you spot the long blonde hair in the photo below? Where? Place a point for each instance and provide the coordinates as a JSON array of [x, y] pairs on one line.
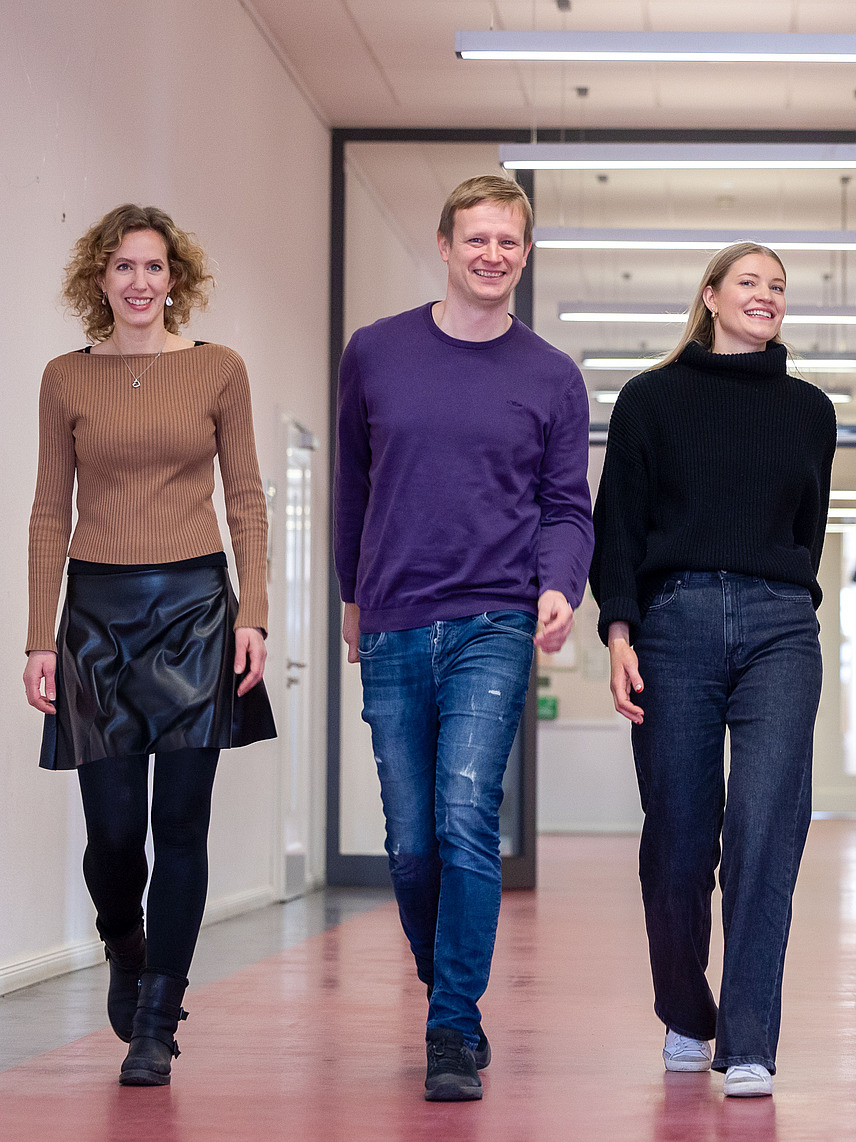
[[700, 326]]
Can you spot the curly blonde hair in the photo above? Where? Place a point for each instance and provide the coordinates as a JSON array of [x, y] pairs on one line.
[[187, 263]]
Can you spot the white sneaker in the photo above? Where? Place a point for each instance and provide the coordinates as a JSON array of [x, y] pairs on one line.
[[749, 1080], [683, 1054]]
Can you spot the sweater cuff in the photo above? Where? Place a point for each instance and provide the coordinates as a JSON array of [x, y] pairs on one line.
[[619, 611]]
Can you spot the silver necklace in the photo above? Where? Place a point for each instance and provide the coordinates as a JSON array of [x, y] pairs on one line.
[[137, 376]]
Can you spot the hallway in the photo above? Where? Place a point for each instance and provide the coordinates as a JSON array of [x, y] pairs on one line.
[[307, 1023]]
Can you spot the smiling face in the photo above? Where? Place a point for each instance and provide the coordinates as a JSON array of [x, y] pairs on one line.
[[137, 280], [750, 303], [486, 255]]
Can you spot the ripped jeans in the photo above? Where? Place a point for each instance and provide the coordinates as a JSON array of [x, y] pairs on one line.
[[443, 703]]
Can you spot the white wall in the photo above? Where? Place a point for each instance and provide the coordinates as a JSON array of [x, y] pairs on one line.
[[183, 105]]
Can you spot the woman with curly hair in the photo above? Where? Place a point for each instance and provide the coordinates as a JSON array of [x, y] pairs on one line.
[[154, 655]]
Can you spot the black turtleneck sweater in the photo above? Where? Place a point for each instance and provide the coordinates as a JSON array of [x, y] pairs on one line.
[[716, 462]]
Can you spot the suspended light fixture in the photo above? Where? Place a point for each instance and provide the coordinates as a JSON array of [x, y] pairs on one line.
[[616, 361], [587, 238], [666, 313], [842, 396], [677, 156], [666, 47]]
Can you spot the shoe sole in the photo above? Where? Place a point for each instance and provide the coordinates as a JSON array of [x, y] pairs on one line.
[[450, 1092], [686, 1065], [749, 1092], [143, 1078]]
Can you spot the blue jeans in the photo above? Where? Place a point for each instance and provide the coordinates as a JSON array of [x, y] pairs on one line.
[[443, 703], [719, 649]]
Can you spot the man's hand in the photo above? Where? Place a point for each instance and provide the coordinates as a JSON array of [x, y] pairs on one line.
[[41, 664], [351, 631], [249, 643], [555, 619], [624, 672]]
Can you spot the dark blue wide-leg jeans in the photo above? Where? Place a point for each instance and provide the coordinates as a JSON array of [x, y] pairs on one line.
[[719, 649], [443, 703]]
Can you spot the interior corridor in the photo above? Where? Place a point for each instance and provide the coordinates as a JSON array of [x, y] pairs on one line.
[[307, 1023]]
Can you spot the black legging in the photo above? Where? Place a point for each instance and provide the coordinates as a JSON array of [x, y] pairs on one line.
[[115, 804]]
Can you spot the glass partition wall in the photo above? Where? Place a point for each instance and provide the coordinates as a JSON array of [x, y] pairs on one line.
[[387, 190]]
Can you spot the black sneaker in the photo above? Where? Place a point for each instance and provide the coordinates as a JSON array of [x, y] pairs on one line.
[[452, 1073], [481, 1052]]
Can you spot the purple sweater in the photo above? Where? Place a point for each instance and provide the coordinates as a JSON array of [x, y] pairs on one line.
[[460, 473]]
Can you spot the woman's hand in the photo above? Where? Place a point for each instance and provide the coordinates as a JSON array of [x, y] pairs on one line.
[[249, 643], [624, 672], [41, 664]]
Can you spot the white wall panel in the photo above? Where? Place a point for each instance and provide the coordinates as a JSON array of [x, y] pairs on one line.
[[180, 104]]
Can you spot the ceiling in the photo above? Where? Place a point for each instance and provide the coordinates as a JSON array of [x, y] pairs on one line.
[[376, 63], [368, 63]]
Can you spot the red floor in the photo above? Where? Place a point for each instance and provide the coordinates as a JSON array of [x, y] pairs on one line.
[[325, 1041]]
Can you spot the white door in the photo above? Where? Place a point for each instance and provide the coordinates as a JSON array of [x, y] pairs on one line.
[[290, 500]]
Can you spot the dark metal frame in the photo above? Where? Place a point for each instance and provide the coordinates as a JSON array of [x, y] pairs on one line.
[[518, 871]]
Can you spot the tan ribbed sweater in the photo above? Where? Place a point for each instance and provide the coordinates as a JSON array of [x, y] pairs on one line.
[[144, 460]]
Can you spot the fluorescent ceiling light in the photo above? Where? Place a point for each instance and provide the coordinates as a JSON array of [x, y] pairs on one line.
[[586, 238], [623, 362], [805, 363], [677, 156], [842, 495], [668, 313], [687, 47], [822, 363], [631, 312], [610, 396]]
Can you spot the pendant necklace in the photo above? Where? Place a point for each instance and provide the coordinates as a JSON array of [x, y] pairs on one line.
[[137, 376]]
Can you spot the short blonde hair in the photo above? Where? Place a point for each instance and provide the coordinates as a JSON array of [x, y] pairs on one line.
[[700, 326], [187, 263], [485, 188]]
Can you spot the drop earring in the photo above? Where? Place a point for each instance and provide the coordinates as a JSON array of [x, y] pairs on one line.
[[103, 297], [169, 300]]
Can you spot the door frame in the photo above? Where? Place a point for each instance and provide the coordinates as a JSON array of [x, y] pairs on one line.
[[518, 870]]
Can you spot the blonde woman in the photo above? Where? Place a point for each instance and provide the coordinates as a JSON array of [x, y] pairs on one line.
[[154, 655], [709, 525]]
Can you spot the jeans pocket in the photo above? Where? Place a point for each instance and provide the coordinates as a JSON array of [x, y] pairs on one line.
[[370, 643], [788, 592], [667, 593], [520, 623]]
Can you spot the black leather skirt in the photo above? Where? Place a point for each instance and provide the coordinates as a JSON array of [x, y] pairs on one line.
[[145, 665]]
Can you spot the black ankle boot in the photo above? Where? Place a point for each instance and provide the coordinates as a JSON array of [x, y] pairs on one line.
[[127, 958], [153, 1046]]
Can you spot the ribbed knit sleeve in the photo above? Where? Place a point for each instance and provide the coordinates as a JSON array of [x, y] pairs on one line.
[[50, 520], [621, 518], [246, 512], [810, 518]]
